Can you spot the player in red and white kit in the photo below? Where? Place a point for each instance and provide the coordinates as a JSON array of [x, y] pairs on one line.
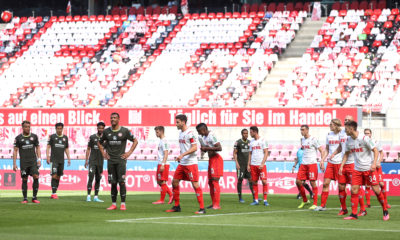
[[333, 140], [365, 155], [187, 169], [163, 166], [256, 166], [309, 168], [368, 132], [210, 144]]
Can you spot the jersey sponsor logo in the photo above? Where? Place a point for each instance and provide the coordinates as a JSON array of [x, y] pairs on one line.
[[353, 150], [27, 142], [114, 142], [333, 142], [256, 148], [182, 141], [306, 146], [59, 145], [28, 146]]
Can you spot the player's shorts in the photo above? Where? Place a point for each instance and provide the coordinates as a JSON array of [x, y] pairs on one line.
[[243, 173], [347, 174], [256, 173], [57, 168], [29, 170], [332, 171], [162, 176], [116, 171], [365, 178], [379, 174], [187, 173], [215, 167], [308, 172], [96, 170]]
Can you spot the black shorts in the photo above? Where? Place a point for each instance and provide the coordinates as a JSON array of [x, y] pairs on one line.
[[116, 172], [243, 173], [57, 168], [95, 169], [29, 170]]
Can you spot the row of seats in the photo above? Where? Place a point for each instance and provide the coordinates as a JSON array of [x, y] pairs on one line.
[[364, 5]]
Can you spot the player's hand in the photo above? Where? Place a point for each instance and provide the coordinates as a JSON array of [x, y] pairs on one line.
[[125, 155], [203, 149], [248, 168], [39, 163], [162, 168], [322, 166], [86, 164], [261, 166], [15, 167], [373, 168], [237, 166], [341, 170], [179, 158], [106, 156], [69, 162], [293, 168], [48, 161]]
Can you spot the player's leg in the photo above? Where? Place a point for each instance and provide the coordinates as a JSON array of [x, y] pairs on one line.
[[99, 171], [24, 186], [325, 193], [355, 187], [199, 195], [53, 171], [35, 184], [192, 173], [315, 192], [308, 188], [178, 176], [263, 177], [361, 194], [255, 175], [300, 179], [342, 199], [382, 185], [159, 183], [216, 174], [368, 195], [211, 186], [90, 182], [247, 176], [313, 176], [217, 193], [373, 181], [112, 179], [239, 184], [121, 171]]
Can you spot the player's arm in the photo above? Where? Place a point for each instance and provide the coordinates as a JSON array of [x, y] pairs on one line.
[[103, 153], [324, 154], [191, 150], [164, 161], [338, 150], [344, 160], [127, 154], [376, 155], [88, 149], [248, 162], [48, 153], [296, 161], [265, 158], [235, 158], [66, 150], [381, 155], [216, 148], [39, 156], [15, 153]]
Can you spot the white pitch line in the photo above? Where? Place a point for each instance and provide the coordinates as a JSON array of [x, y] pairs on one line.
[[266, 226], [217, 215]]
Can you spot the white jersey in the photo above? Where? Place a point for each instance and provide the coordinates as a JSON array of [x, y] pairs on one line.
[[343, 140], [361, 149], [208, 141], [310, 147], [333, 141], [162, 147], [257, 151], [186, 140]]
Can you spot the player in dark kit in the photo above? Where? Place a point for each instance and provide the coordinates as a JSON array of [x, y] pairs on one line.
[[241, 157], [27, 145], [58, 144], [114, 138], [95, 161]]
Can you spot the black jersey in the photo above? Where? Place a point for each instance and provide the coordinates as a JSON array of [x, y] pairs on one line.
[[27, 148], [115, 142], [243, 150], [95, 157], [58, 145]]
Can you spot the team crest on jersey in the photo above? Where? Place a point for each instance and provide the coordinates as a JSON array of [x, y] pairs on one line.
[[119, 134], [64, 139], [114, 138], [60, 142], [27, 142], [31, 138], [109, 134]]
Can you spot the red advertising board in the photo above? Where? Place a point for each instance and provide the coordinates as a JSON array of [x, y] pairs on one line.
[[145, 181], [217, 117]]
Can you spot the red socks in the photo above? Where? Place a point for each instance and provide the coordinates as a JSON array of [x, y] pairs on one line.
[[265, 191], [342, 198], [199, 195], [212, 193], [302, 193], [381, 200], [315, 192], [175, 190], [217, 193], [324, 198], [255, 189], [164, 191], [354, 203], [361, 194], [383, 190], [368, 195]]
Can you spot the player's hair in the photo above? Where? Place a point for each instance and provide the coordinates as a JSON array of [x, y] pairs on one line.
[[337, 122], [181, 117], [101, 124], [60, 124], [114, 113], [25, 122], [305, 126], [243, 130], [254, 128], [352, 124], [200, 125], [159, 128], [368, 129]]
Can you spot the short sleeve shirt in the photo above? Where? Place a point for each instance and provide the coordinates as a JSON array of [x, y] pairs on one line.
[[58, 145], [26, 148], [95, 154], [115, 142], [310, 147], [186, 140], [257, 151], [162, 147], [361, 149]]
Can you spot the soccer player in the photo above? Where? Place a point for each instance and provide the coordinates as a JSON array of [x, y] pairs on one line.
[[114, 138], [256, 166], [364, 172], [333, 140], [215, 163], [368, 132], [95, 161], [58, 145], [241, 157], [27, 145], [298, 160], [309, 168], [163, 166], [187, 169]]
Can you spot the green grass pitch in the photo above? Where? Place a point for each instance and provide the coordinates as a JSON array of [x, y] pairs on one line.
[[71, 217]]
